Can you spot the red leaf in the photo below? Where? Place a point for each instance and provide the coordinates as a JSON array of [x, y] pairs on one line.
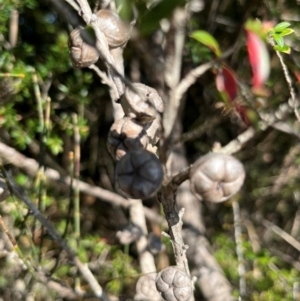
[[243, 114], [297, 74], [226, 83], [248, 115], [259, 59]]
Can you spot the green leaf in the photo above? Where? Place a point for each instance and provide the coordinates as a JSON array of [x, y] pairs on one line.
[[279, 40], [124, 8], [253, 25], [279, 27], [285, 48], [55, 144], [208, 40], [271, 32], [286, 32]]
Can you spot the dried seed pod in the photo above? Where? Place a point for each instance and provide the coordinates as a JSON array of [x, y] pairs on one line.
[[116, 31], [81, 53], [126, 134], [139, 174], [144, 105], [154, 244], [215, 177], [129, 234], [174, 284], [146, 289]]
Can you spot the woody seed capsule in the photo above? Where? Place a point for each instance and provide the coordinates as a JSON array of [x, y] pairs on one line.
[[146, 289], [174, 284], [116, 31], [215, 177], [81, 53], [144, 104], [139, 174], [124, 135]]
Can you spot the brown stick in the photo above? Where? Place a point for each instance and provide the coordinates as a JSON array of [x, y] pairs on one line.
[[30, 166]]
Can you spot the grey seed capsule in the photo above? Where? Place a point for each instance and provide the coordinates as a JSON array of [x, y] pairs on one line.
[[144, 105], [129, 234], [146, 289], [116, 31], [139, 174], [124, 135], [81, 54], [174, 284], [215, 177]]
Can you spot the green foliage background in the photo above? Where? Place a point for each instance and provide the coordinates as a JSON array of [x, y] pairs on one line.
[[42, 50]]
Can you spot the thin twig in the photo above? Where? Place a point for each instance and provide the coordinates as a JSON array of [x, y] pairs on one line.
[[137, 218], [13, 28], [183, 86], [85, 11], [170, 113], [284, 235], [199, 130], [40, 179], [30, 166], [117, 54], [287, 258], [38, 97], [38, 274], [76, 173], [174, 219], [76, 177], [17, 75], [83, 268], [287, 172], [175, 44], [290, 84], [239, 248], [281, 276], [180, 177], [236, 144], [253, 235], [103, 76], [296, 291]]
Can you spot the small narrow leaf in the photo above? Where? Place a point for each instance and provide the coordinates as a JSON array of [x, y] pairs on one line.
[[226, 83], [279, 40], [285, 49], [259, 59], [208, 40], [286, 32], [297, 75], [271, 32], [279, 27], [253, 25], [248, 115], [262, 29]]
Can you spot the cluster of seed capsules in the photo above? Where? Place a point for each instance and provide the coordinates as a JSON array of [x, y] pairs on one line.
[[132, 141], [116, 33]]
